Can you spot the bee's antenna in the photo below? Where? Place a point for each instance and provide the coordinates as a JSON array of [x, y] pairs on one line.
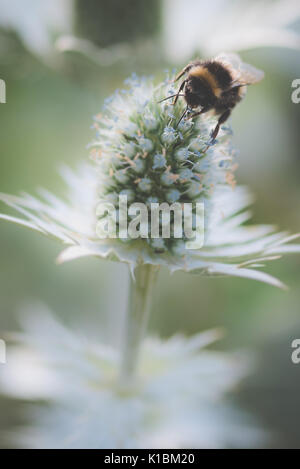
[[169, 97], [182, 115]]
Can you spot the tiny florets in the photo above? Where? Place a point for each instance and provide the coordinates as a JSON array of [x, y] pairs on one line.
[[144, 154]]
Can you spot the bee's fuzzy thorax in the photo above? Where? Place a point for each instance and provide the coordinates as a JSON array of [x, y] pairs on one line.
[[204, 73]]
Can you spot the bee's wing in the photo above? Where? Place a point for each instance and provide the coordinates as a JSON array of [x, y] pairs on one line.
[[250, 74], [230, 59], [244, 74]]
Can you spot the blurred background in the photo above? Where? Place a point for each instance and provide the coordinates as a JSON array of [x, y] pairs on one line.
[[59, 60]]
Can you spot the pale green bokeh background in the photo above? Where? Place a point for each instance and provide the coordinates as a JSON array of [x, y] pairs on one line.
[[46, 121]]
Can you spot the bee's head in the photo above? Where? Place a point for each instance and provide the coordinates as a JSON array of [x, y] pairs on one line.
[[199, 92]]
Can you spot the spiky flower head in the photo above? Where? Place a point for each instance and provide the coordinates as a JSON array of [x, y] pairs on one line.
[[140, 152], [144, 154]]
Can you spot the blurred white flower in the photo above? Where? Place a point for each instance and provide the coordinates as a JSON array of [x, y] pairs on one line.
[[103, 56], [178, 399], [46, 28], [191, 26], [37, 22], [188, 26]]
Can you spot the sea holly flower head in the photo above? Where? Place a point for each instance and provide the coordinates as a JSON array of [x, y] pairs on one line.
[[141, 150], [141, 153]]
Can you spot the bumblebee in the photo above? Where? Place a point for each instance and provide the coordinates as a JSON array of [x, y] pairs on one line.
[[215, 85]]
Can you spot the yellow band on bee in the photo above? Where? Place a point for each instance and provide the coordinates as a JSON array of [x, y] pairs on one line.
[[202, 72]]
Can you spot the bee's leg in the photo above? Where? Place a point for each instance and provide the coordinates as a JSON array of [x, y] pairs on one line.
[[179, 91], [198, 113], [169, 97], [191, 116], [215, 132], [221, 121], [182, 115], [183, 71]]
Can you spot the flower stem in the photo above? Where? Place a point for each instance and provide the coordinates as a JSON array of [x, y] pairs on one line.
[[139, 303]]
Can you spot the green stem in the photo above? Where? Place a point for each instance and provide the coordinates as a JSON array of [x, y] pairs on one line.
[[141, 288]]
